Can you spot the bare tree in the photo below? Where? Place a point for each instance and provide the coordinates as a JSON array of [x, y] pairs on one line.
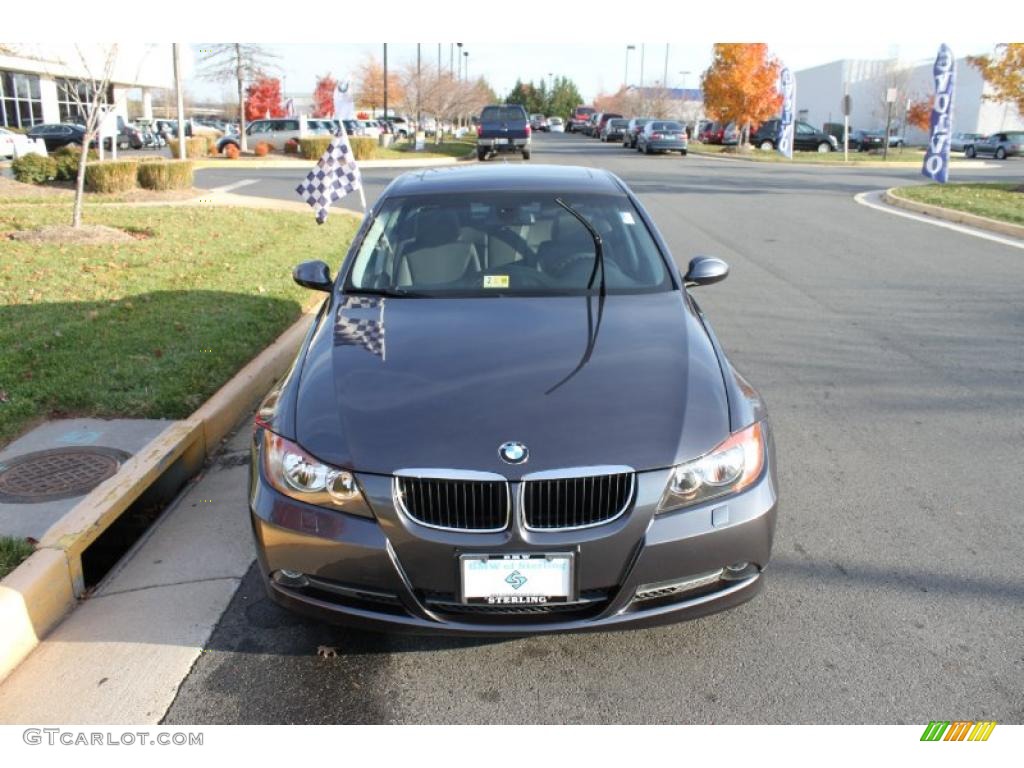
[[89, 97], [238, 62]]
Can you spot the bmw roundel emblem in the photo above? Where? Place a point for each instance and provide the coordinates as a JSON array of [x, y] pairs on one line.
[[513, 453]]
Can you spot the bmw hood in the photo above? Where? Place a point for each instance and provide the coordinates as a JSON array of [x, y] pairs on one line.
[[390, 384]]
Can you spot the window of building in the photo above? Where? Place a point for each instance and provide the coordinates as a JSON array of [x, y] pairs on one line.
[[20, 103], [72, 93]]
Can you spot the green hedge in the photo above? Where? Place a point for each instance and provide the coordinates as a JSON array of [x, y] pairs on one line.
[[34, 169], [111, 176], [363, 148], [172, 174], [67, 158], [197, 146]]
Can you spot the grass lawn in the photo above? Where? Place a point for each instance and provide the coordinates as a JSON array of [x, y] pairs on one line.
[[152, 327], [448, 148], [12, 552], [1004, 202], [896, 155]]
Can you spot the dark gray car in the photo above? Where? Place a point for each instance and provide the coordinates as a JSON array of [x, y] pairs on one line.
[[998, 145], [510, 416]]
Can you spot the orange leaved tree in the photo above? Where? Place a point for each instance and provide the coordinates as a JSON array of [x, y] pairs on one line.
[[263, 99], [1004, 72], [323, 96], [919, 113], [741, 85]]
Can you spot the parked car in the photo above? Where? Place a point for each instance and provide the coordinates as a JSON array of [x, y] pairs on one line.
[[14, 144], [721, 133], [556, 125], [998, 145], [503, 128], [806, 138], [614, 129], [600, 123], [633, 128], [57, 135], [276, 132], [864, 141], [587, 129], [579, 118], [959, 141], [370, 128], [496, 471], [662, 136], [538, 122]]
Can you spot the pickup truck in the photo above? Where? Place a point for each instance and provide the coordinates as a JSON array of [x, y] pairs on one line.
[[503, 128]]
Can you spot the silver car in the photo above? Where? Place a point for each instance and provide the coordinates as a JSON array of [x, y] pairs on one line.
[[960, 141], [998, 145]]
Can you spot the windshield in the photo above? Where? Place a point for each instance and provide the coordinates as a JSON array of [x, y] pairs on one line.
[[505, 244]]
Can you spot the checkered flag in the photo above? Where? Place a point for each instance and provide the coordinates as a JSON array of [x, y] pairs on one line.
[[360, 323], [335, 175]]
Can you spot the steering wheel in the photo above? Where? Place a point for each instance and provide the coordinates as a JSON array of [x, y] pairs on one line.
[[517, 243]]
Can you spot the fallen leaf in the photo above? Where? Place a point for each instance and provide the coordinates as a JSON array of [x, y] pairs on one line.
[[4, 397]]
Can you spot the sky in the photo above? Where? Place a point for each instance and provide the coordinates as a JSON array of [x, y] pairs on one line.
[[595, 67]]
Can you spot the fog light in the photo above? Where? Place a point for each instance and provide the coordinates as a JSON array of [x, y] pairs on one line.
[[287, 578], [737, 567], [739, 571]]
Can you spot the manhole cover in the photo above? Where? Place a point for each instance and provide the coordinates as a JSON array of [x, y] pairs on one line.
[[59, 473]]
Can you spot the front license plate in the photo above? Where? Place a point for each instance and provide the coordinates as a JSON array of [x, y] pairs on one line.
[[501, 141], [530, 579]]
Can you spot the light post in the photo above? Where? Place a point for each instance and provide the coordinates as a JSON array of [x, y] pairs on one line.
[[625, 78], [465, 69], [684, 73], [643, 46], [460, 60]]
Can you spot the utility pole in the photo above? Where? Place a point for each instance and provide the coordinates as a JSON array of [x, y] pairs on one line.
[[664, 79], [625, 77], [642, 51], [181, 102], [385, 81], [460, 60], [419, 87], [465, 70]]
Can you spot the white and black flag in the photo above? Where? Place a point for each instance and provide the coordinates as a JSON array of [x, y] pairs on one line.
[[335, 175]]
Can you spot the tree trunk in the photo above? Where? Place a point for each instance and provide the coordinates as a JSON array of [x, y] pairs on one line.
[[241, 98], [76, 216]]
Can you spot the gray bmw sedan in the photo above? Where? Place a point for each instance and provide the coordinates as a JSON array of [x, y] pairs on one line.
[[510, 416]]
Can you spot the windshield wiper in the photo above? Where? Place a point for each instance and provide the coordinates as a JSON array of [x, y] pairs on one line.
[[598, 244], [394, 293]]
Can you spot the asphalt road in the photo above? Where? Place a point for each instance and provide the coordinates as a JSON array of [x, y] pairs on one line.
[[891, 355]]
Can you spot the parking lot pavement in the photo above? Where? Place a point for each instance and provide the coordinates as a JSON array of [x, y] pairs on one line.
[[890, 353]]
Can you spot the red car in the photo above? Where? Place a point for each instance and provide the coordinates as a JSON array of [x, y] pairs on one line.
[[580, 115]]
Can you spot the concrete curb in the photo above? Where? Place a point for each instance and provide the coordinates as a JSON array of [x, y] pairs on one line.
[[891, 197], [837, 164], [39, 593], [425, 162]]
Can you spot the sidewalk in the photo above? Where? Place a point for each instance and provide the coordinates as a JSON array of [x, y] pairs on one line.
[[121, 655]]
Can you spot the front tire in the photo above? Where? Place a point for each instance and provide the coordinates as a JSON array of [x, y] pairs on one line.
[[526, 154], [481, 154], [767, 145], [824, 148], [648, 150]]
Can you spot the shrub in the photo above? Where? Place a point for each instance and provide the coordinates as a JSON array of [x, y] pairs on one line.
[[231, 151], [171, 174], [311, 148], [291, 147], [67, 158], [262, 149], [34, 169], [197, 146], [111, 176], [364, 148], [211, 143]]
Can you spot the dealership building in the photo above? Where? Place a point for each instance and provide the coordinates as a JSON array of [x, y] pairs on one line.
[[819, 97], [38, 83]]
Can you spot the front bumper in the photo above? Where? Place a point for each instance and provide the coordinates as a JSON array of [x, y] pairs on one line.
[[392, 574]]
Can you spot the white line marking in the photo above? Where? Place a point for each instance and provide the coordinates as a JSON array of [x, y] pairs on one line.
[[862, 198], [236, 185]]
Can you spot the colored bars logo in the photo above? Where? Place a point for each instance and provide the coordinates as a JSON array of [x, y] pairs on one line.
[[958, 730]]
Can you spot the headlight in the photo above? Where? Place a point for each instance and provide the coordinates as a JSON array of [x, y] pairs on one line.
[[729, 468], [293, 472]]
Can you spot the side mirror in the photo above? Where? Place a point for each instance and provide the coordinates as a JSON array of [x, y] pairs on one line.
[[705, 270], [313, 274]]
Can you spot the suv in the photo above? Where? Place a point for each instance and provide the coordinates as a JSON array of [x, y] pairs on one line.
[[602, 122], [580, 115], [503, 128], [806, 137]]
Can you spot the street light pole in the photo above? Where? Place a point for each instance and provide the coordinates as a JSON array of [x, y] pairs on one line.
[[664, 79], [181, 103], [625, 78], [643, 46], [460, 60], [385, 81], [465, 69]]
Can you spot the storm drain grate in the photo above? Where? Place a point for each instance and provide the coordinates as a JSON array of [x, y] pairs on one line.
[[58, 473]]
